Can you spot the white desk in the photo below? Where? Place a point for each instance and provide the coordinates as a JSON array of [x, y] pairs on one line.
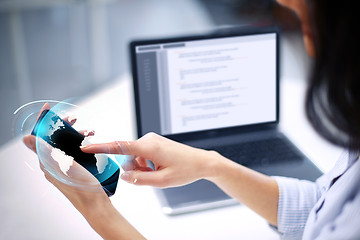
[[31, 208]]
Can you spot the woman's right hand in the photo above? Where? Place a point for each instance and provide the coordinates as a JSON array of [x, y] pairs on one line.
[[175, 164]]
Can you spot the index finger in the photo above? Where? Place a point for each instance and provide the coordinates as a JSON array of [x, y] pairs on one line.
[[117, 147]]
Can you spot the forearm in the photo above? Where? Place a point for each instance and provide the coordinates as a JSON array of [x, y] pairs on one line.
[[253, 189], [110, 224]]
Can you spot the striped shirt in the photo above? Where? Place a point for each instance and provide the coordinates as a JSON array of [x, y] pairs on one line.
[[326, 209]]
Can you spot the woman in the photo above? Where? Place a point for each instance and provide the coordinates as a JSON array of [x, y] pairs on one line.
[[326, 209]]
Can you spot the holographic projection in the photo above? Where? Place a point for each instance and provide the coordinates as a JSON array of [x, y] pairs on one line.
[[59, 136]]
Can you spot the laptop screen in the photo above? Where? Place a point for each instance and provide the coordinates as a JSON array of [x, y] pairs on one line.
[[196, 85]]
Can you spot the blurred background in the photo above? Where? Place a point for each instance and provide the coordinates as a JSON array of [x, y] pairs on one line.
[[60, 49]]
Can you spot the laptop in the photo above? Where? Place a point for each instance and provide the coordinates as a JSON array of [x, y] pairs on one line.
[[218, 91]]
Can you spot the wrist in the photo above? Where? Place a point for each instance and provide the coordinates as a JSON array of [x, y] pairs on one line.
[[98, 211], [110, 224], [214, 166], [103, 220]]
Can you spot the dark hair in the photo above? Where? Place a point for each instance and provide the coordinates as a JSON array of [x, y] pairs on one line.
[[333, 94]]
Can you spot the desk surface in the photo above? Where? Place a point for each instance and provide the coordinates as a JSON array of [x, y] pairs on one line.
[[31, 208]]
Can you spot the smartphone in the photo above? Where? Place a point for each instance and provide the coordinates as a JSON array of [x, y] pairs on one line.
[[59, 134]]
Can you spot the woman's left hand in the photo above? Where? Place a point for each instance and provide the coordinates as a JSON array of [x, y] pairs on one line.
[[80, 197], [91, 200]]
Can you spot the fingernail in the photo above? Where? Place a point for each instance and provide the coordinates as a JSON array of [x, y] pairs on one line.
[[84, 146], [72, 118], [89, 133], [125, 176]]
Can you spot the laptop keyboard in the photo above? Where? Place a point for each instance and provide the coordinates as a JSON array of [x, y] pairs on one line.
[[261, 152]]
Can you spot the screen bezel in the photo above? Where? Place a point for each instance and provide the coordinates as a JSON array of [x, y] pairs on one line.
[[231, 32]]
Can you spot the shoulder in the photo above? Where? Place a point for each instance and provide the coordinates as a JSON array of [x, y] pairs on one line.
[[346, 224], [339, 217], [337, 213]]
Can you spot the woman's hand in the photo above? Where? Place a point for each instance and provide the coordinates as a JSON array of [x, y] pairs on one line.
[[82, 197], [175, 164], [90, 200]]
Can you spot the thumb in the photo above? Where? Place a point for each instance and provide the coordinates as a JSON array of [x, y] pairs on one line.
[[151, 178], [30, 142]]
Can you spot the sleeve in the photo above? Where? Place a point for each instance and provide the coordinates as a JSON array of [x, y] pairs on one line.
[[296, 199]]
